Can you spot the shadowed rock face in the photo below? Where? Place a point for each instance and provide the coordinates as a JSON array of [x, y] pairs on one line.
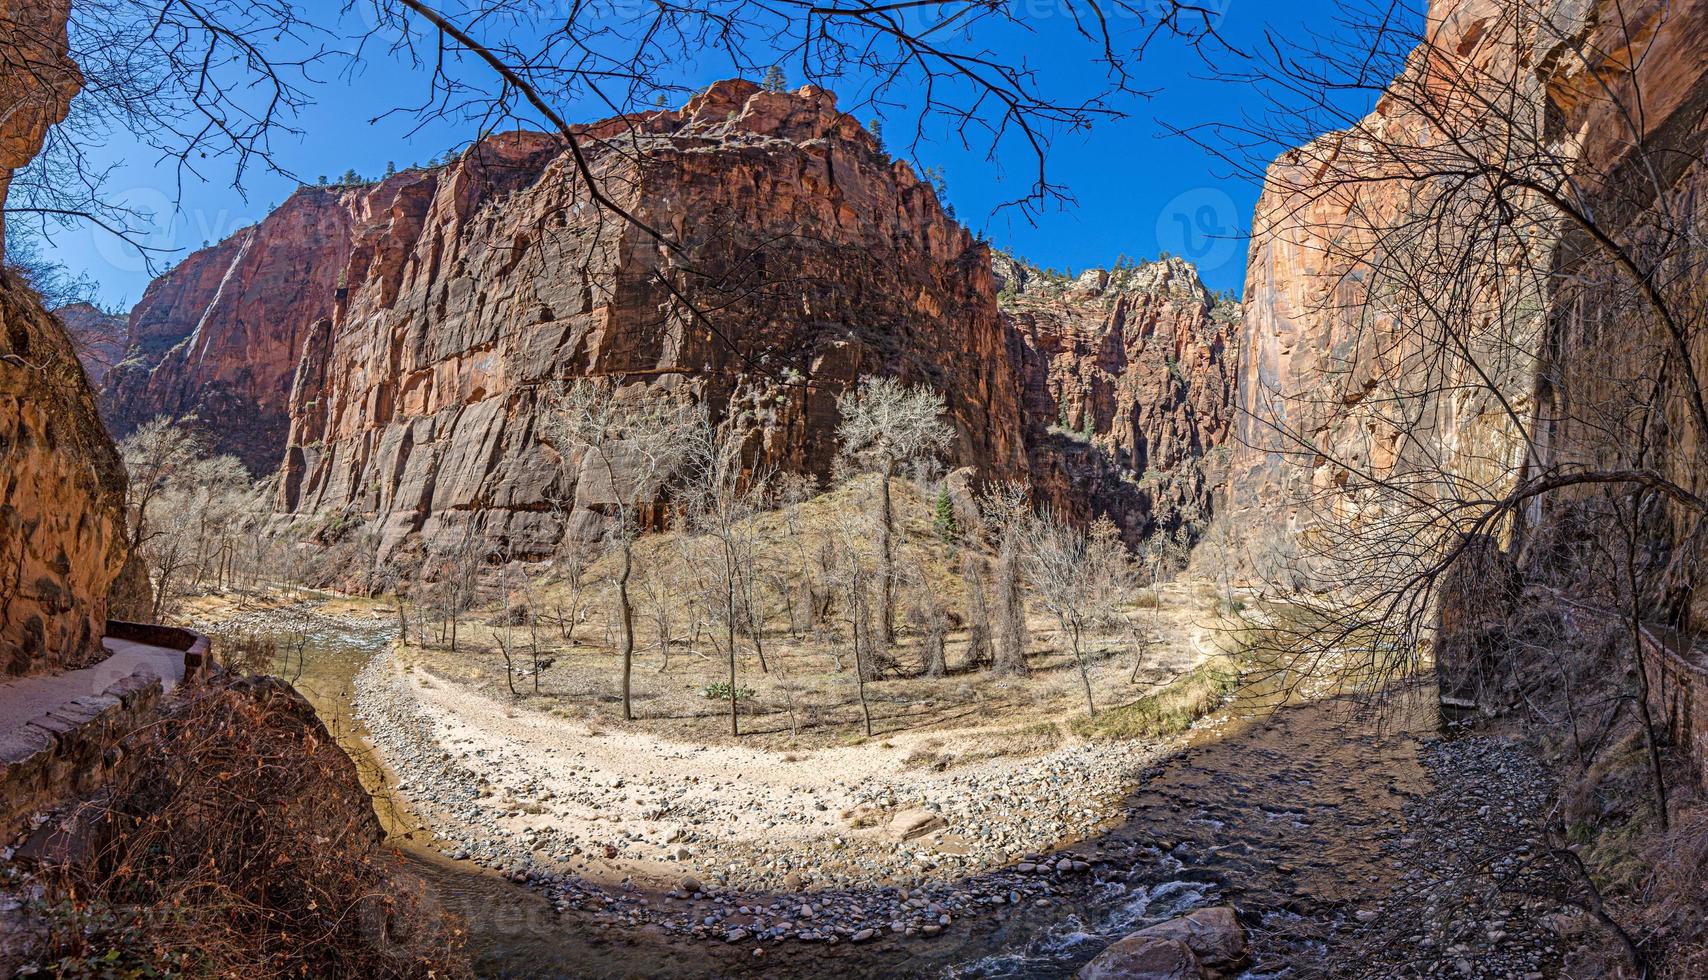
[[1321, 368], [1127, 387], [217, 339], [61, 483], [1317, 344], [809, 258]]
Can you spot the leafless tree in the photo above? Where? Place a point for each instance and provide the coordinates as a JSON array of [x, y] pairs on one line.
[[789, 492], [721, 498], [503, 633], [661, 602], [195, 82], [457, 580], [54, 283], [571, 565], [975, 568], [185, 511], [1082, 577], [630, 446], [157, 455], [928, 611], [1006, 509], [887, 425], [854, 574]]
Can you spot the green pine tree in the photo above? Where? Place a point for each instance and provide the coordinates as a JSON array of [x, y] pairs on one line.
[[944, 520], [774, 80]]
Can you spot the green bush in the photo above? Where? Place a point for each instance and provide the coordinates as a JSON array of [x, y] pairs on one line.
[[720, 692]]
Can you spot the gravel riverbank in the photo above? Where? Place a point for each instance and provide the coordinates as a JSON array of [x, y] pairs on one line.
[[875, 846]]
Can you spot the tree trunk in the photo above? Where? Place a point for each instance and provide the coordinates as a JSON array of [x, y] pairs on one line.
[[936, 660], [1084, 674], [886, 561], [755, 633], [734, 722], [1656, 774], [574, 617], [860, 663], [626, 617], [402, 621], [978, 608], [1009, 647], [534, 642]]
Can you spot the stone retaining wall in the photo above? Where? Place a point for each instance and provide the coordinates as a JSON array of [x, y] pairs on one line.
[[72, 749], [77, 747], [194, 645]]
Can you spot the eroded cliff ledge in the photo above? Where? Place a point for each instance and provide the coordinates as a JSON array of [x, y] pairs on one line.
[[799, 257]]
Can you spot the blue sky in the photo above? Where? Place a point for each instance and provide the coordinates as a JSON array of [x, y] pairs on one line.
[[1139, 191]]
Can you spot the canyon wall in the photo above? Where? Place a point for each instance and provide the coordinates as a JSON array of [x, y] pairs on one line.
[[389, 344], [1127, 386], [61, 482], [797, 257], [216, 339], [1393, 326], [1492, 282], [98, 337], [1405, 326]]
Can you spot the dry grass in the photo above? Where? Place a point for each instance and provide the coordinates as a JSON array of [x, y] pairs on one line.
[[805, 695], [940, 754], [1170, 710]]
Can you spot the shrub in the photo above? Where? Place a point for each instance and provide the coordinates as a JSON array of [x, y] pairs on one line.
[[720, 692], [241, 843]]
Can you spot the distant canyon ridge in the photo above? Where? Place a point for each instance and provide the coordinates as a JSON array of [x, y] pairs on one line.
[[385, 346]]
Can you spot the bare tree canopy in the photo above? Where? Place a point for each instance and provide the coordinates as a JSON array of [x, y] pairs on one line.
[[210, 85]]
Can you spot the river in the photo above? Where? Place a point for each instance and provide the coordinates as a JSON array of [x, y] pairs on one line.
[[1284, 814]]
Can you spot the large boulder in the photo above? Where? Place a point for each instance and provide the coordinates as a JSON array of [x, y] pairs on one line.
[[1140, 957], [1202, 943], [1213, 934]]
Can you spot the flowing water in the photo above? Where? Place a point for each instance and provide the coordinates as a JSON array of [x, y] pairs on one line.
[[1282, 813]]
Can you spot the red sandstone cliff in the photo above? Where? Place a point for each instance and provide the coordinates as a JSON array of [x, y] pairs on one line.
[[1341, 284], [217, 338], [417, 318], [61, 482], [809, 259], [1542, 352], [1127, 381]]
